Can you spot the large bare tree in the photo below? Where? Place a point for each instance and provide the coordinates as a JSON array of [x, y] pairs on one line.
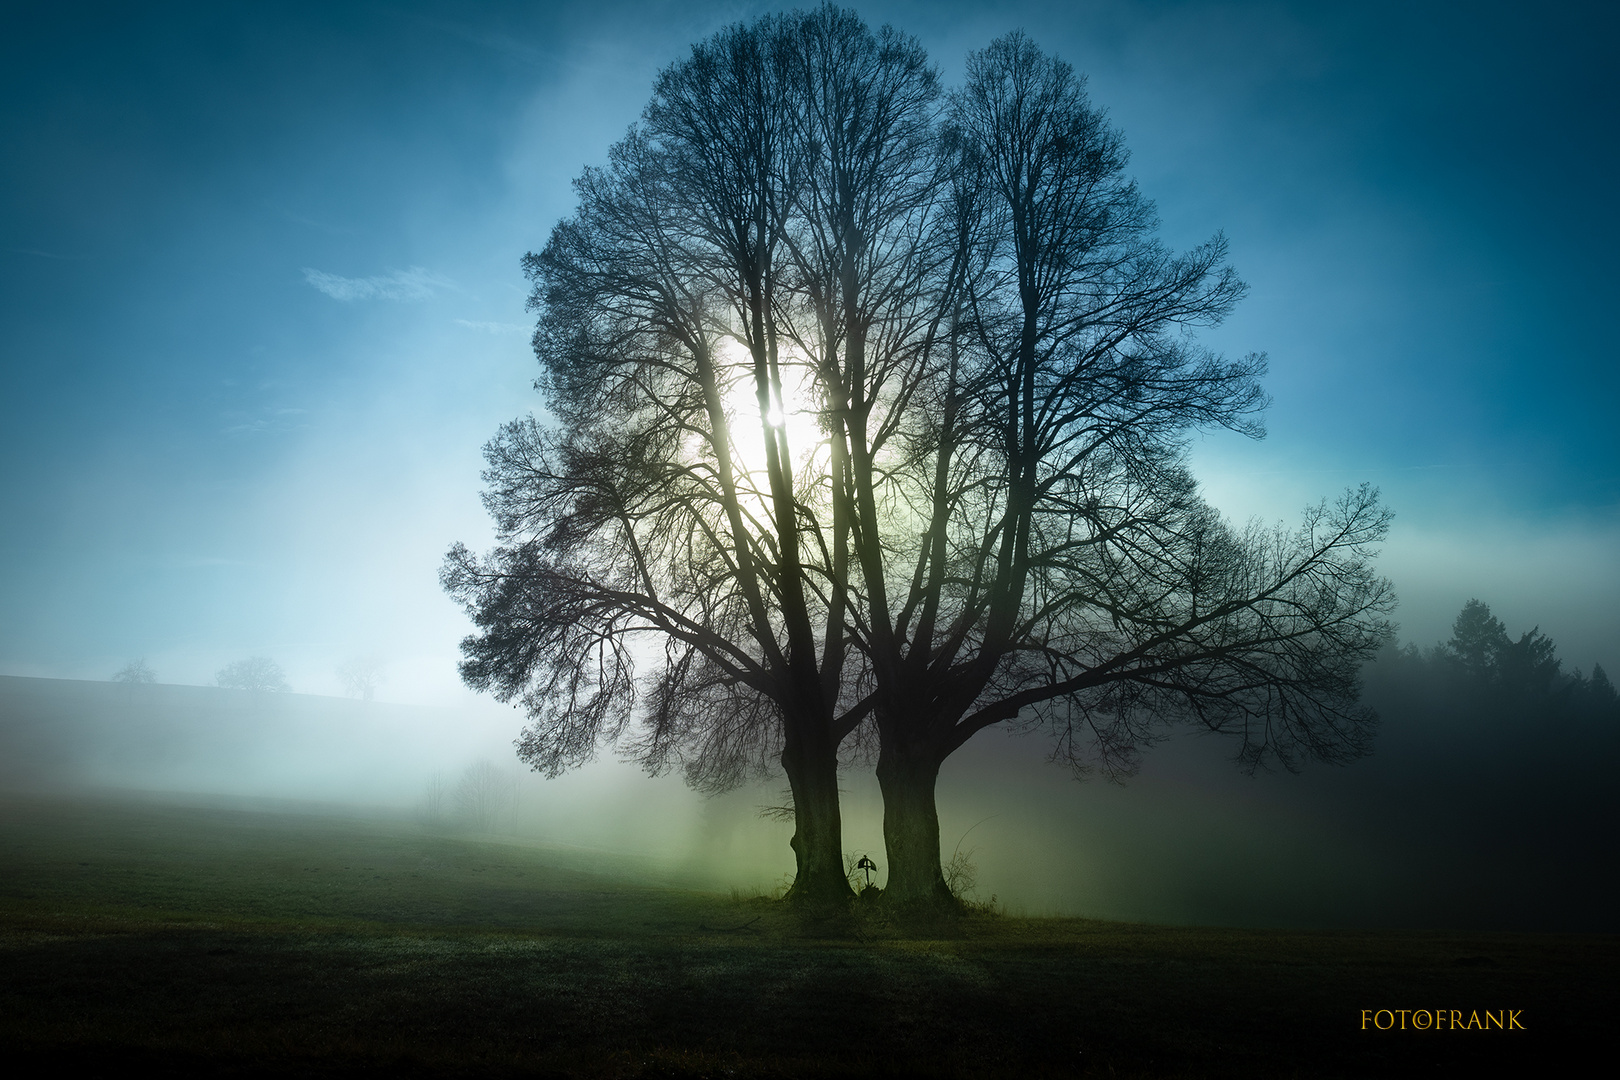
[[982, 515]]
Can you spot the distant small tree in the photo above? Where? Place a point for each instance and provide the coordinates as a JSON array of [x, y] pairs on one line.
[[431, 809], [256, 673], [135, 673], [361, 676], [483, 794]]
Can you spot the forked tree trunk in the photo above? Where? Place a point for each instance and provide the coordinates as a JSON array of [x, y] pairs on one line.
[[818, 833], [911, 827]]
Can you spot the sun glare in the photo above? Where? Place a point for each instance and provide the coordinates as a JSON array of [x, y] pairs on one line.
[[794, 413]]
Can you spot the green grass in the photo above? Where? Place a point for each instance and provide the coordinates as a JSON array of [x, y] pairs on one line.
[[218, 940]]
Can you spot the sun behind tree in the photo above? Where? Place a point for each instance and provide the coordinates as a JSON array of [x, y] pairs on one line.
[[995, 526]]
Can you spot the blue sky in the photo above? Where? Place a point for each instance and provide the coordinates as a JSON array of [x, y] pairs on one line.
[[260, 303]]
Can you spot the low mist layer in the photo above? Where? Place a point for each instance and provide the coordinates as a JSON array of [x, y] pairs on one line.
[[1477, 809]]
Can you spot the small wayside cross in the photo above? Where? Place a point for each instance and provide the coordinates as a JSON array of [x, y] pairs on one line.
[[866, 866]]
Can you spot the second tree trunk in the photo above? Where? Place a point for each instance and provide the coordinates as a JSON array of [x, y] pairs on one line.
[[911, 827]]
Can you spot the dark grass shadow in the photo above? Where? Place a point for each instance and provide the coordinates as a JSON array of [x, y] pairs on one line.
[[201, 942]]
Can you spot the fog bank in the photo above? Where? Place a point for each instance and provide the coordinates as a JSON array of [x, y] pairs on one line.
[[1477, 822]]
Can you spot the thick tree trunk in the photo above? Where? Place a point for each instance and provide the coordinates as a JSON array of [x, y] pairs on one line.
[[911, 827], [818, 832]]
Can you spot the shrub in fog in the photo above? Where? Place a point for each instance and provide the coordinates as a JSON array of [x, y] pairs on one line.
[[135, 673], [256, 673], [483, 795]]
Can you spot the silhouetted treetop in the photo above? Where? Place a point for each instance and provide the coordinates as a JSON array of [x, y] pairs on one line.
[[1481, 646]]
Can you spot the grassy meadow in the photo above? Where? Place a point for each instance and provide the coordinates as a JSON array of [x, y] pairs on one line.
[[253, 939]]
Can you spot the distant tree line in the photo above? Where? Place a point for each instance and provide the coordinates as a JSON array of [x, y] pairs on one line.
[[1484, 670], [360, 676], [1490, 789]]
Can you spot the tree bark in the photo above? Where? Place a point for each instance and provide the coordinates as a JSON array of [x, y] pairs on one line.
[[907, 776], [811, 764]]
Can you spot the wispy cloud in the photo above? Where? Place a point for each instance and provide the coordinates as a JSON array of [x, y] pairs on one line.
[[413, 284], [494, 327], [269, 421]]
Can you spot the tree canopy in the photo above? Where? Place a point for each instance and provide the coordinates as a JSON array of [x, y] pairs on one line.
[[868, 413], [259, 674], [1481, 647]]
